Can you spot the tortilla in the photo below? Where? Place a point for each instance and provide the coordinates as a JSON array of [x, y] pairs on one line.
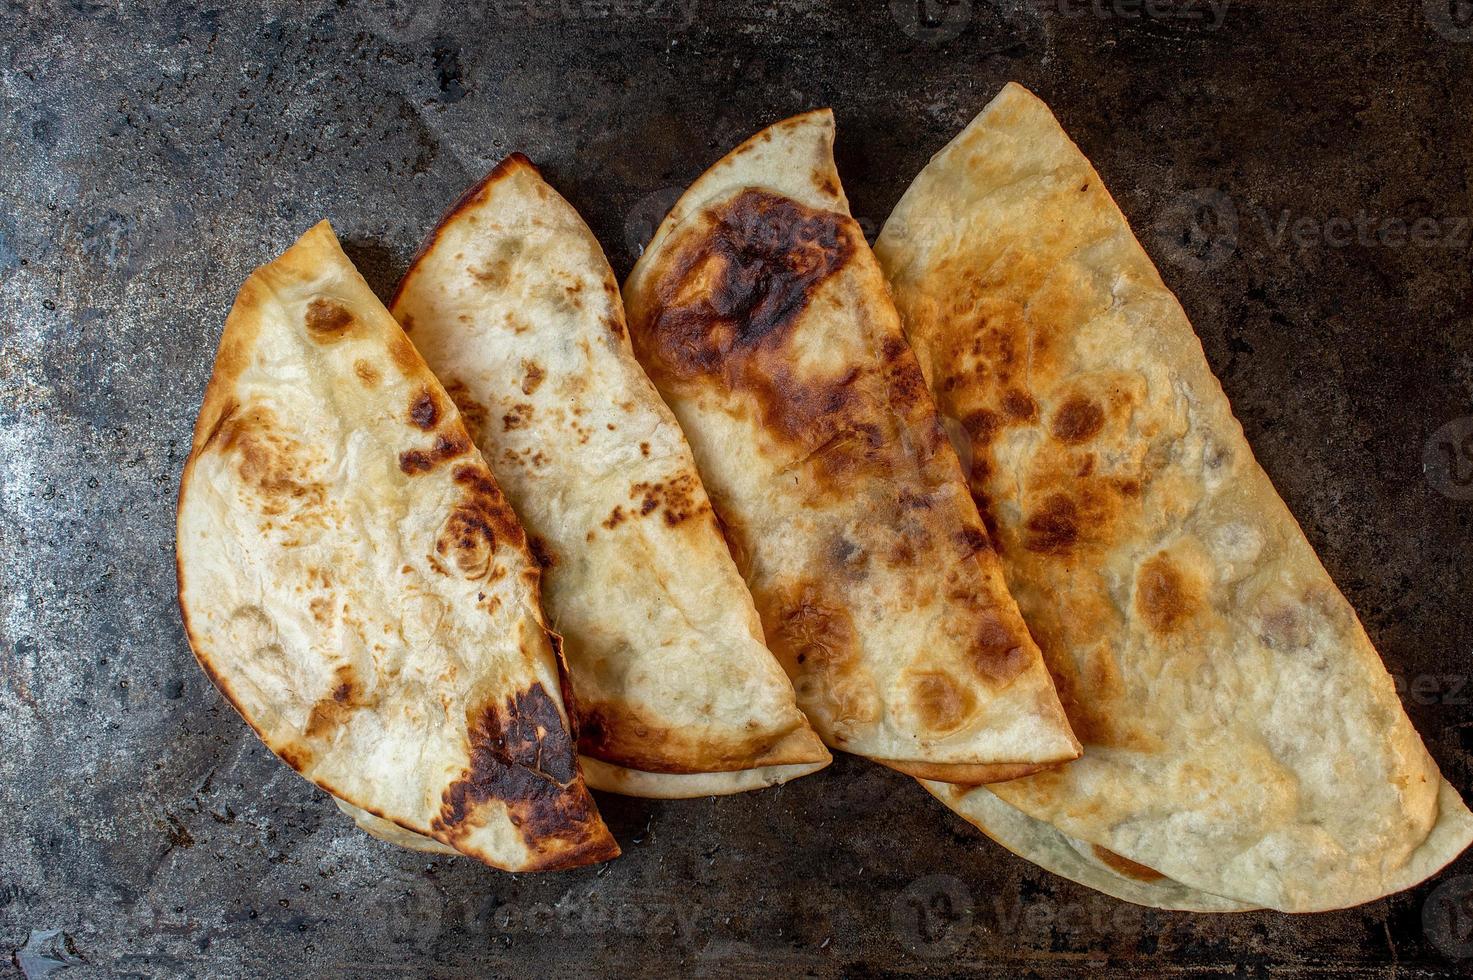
[[354, 583], [1085, 864], [761, 316], [1241, 735], [515, 308]]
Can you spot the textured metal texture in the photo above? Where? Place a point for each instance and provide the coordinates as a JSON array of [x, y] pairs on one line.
[[1300, 172]]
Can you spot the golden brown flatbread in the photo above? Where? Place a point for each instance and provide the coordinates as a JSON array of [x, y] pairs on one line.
[[1242, 737], [515, 308], [761, 316], [354, 583]]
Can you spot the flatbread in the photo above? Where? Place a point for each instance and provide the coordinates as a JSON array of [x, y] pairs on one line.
[[1241, 734], [1076, 860], [354, 583], [515, 308], [762, 317]]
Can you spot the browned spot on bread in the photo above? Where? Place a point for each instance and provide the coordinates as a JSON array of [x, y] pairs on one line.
[[367, 373], [332, 712], [479, 520], [971, 540], [1077, 420], [494, 275], [273, 465], [615, 325], [615, 518], [1019, 405], [729, 299], [644, 449], [814, 637], [327, 320], [532, 376], [298, 756], [825, 183], [424, 411], [414, 461], [541, 553], [675, 497], [404, 354], [1122, 864], [1054, 528], [982, 425], [996, 653], [522, 757], [1163, 596], [942, 705], [472, 412], [520, 415]]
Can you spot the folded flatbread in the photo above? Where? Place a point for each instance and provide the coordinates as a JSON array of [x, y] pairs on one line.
[[761, 316], [1242, 738], [354, 583], [516, 310]]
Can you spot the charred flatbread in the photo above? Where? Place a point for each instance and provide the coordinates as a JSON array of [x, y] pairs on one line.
[[760, 314], [1242, 737], [354, 583], [515, 308]]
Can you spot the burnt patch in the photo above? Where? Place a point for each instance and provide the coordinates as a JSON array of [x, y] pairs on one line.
[[478, 523], [424, 411], [983, 425], [1054, 528], [541, 553], [1019, 406], [1077, 420], [746, 280], [522, 756], [415, 461], [676, 498]]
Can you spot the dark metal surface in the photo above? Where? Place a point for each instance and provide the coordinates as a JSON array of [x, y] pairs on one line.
[[1300, 171]]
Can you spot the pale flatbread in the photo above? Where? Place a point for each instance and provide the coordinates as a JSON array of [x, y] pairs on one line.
[[353, 581], [1241, 734], [515, 308], [762, 317]]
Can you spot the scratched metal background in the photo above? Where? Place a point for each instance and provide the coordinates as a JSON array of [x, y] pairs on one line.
[[1277, 159]]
